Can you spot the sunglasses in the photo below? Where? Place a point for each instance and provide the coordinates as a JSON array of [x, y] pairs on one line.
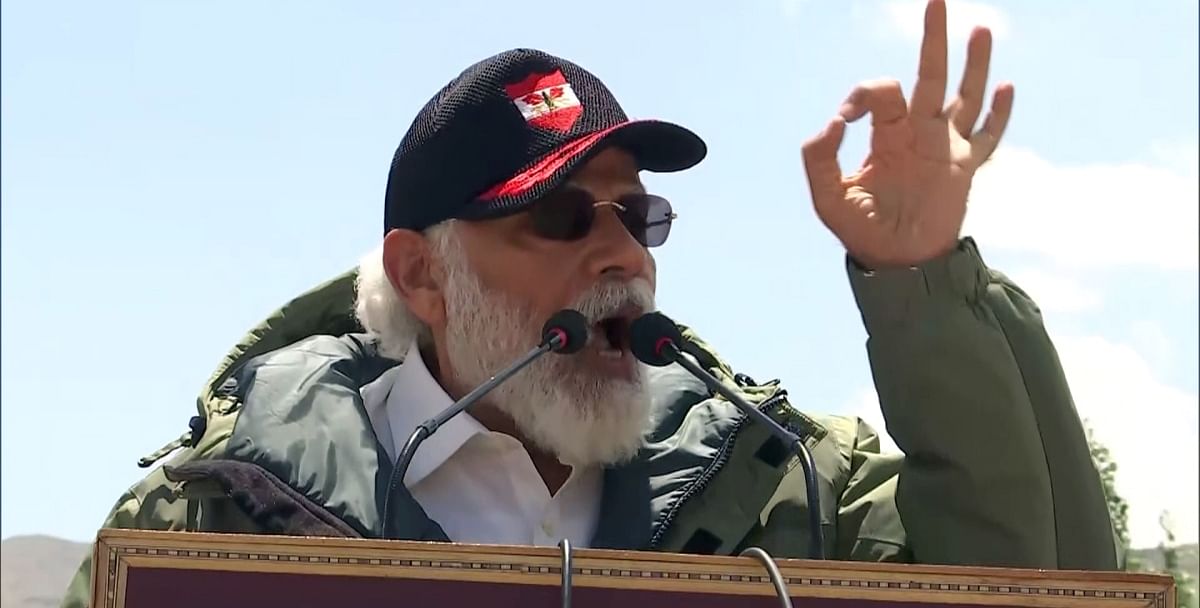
[[569, 213]]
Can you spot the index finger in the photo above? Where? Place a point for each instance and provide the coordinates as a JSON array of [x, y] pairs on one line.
[[930, 91]]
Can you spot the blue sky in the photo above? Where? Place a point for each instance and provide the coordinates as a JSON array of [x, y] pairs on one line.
[[174, 170]]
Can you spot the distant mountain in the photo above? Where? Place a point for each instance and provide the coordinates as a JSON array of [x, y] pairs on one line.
[[35, 570]]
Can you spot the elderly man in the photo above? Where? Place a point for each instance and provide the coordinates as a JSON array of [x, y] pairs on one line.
[[516, 193]]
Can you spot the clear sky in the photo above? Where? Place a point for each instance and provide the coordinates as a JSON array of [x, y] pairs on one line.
[[174, 170]]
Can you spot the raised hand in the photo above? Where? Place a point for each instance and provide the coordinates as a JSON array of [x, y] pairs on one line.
[[906, 204]]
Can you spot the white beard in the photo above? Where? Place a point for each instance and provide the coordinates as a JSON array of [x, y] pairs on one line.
[[560, 405]]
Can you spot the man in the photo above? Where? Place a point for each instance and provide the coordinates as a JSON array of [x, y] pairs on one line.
[[515, 194]]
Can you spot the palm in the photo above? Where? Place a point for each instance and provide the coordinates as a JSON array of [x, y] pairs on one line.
[[906, 204]]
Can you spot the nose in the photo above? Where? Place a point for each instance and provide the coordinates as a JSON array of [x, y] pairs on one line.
[[613, 250]]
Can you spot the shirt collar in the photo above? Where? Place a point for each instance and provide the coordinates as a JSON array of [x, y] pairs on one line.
[[416, 397]]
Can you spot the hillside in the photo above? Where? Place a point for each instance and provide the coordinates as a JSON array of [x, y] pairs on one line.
[[35, 570]]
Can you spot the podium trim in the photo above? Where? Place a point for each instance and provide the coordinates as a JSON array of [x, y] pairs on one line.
[[120, 551]]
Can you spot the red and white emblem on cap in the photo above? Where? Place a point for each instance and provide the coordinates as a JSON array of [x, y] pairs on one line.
[[546, 101]]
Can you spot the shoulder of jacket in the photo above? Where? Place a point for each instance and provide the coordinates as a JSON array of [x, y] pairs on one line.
[[849, 433]]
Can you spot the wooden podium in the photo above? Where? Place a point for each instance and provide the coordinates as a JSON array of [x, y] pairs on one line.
[[140, 569]]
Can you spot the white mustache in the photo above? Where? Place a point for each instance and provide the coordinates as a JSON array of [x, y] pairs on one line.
[[608, 298]]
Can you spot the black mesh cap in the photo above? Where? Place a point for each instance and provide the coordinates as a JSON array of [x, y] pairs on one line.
[[507, 131]]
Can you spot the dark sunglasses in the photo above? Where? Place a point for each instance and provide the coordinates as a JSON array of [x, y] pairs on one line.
[[568, 214]]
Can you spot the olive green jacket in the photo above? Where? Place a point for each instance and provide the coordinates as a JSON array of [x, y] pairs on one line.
[[996, 468]]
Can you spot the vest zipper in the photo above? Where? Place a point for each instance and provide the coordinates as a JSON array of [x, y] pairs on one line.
[[702, 482]]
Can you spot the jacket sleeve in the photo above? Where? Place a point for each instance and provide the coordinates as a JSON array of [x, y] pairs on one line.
[[997, 470], [868, 524]]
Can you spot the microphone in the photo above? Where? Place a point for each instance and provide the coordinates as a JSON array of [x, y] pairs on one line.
[[654, 340], [566, 332]]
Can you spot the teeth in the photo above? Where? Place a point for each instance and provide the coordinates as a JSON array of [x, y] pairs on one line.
[[610, 353]]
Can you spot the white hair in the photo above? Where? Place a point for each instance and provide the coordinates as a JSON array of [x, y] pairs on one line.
[[379, 308]]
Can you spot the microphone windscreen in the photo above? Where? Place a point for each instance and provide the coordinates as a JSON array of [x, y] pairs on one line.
[[647, 336], [571, 325]]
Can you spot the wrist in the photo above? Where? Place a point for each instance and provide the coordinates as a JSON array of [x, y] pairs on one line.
[[890, 296], [903, 260]]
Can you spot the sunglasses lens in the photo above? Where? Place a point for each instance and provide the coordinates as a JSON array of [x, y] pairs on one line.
[[565, 215], [648, 218]]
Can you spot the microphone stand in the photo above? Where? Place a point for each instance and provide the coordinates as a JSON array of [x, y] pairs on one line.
[[429, 427], [565, 553], [773, 573], [565, 332]]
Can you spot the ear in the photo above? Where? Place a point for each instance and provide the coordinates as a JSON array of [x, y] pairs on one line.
[[411, 270]]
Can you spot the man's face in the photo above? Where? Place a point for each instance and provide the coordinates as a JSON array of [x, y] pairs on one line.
[[547, 275], [592, 407]]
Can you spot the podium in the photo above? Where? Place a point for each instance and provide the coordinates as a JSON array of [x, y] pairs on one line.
[[144, 569]]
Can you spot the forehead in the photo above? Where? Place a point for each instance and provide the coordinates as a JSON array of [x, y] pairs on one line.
[[610, 168]]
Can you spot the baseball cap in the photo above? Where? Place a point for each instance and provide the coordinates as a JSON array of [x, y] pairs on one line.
[[507, 131]]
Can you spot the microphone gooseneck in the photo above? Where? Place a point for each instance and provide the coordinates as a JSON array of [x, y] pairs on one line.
[[566, 332], [655, 339]]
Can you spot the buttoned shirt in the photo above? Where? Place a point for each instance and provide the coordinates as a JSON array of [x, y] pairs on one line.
[[479, 485]]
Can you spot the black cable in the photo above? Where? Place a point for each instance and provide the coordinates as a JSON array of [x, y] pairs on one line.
[[812, 493]]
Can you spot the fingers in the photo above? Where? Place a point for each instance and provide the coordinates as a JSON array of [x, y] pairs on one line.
[[929, 93], [821, 162], [964, 110], [984, 142], [884, 99]]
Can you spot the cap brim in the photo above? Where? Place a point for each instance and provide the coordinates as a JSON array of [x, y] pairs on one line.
[[656, 146], [661, 147]]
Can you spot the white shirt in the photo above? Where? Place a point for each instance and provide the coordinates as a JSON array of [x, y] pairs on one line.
[[480, 486]]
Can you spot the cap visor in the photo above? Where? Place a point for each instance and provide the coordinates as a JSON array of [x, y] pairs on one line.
[[657, 146]]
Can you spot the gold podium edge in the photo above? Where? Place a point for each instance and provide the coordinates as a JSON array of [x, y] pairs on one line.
[[118, 550]]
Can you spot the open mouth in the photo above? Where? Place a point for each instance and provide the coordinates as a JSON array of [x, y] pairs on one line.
[[612, 335]]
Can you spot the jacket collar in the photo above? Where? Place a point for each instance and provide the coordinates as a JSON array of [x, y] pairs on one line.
[[304, 420]]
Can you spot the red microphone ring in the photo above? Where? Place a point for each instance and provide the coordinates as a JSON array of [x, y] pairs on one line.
[[561, 335], [662, 342]]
